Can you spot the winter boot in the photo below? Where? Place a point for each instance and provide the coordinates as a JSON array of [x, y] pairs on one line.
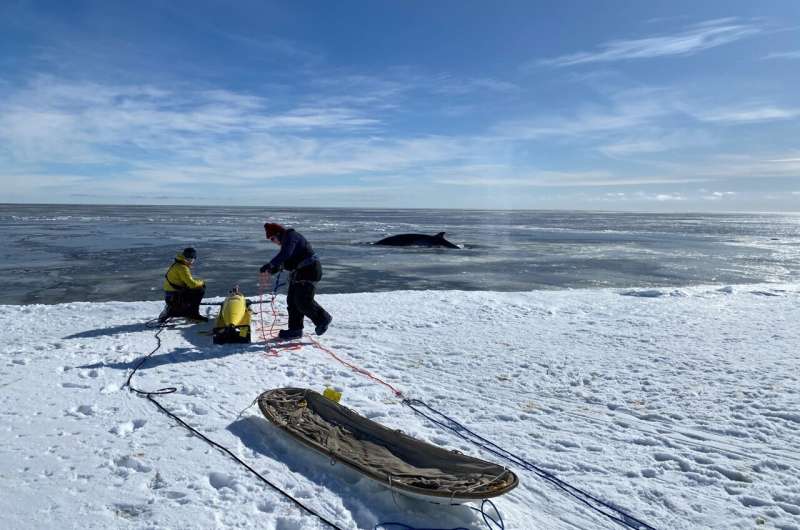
[[289, 334], [323, 326]]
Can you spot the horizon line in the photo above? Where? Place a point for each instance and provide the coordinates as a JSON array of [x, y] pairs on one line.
[[585, 210]]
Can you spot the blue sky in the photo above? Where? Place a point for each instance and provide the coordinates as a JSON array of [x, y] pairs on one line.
[[613, 105]]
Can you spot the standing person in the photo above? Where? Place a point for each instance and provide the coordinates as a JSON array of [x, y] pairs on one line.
[[296, 255], [182, 292]]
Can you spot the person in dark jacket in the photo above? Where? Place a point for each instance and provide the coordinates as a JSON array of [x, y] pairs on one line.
[[297, 256], [182, 292]]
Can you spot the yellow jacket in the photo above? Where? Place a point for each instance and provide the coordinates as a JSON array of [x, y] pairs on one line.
[[179, 276]]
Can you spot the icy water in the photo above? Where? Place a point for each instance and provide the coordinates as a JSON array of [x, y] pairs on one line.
[[57, 253]]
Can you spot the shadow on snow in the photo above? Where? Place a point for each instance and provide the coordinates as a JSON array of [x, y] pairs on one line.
[[198, 335], [368, 502], [107, 332]]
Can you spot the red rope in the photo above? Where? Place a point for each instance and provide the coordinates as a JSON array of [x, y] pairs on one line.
[[261, 328], [356, 368], [274, 351]]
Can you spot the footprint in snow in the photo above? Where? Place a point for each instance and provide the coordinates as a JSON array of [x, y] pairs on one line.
[[289, 523], [733, 489], [130, 511], [125, 428], [74, 385], [753, 501], [220, 480], [177, 496], [439, 440], [130, 463], [266, 506], [731, 474], [304, 493], [82, 411], [789, 508], [200, 411]]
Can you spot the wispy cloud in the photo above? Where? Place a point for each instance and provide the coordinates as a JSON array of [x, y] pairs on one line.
[[633, 147], [748, 113], [642, 196], [625, 110], [393, 89], [533, 178], [654, 141], [137, 139], [721, 169], [727, 166], [454, 86], [272, 44], [719, 195], [663, 197], [692, 40], [702, 195], [784, 55]]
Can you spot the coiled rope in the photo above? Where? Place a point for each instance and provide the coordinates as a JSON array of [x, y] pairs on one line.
[[271, 350]]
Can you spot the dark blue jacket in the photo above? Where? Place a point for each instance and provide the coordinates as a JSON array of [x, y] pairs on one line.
[[295, 251]]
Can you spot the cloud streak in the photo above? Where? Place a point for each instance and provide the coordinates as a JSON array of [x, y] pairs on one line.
[[692, 40], [783, 55], [139, 139], [749, 114], [625, 110]]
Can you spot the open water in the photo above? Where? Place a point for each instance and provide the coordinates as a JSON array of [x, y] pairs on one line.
[[64, 253]]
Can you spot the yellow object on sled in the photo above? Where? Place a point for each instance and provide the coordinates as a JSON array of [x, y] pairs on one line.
[[233, 321], [332, 394]]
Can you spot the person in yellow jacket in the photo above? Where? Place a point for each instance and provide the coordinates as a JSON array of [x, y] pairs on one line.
[[182, 292]]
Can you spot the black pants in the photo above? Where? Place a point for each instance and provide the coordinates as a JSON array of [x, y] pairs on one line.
[[300, 298], [185, 303]]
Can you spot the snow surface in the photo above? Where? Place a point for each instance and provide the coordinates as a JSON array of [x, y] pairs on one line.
[[678, 405]]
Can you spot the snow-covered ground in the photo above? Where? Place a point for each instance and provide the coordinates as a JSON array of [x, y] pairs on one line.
[[680, 406]]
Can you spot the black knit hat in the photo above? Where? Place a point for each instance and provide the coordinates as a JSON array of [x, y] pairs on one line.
[[189, 253]]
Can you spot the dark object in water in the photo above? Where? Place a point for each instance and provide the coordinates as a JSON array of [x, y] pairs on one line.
[[394, 459], [418, 240]]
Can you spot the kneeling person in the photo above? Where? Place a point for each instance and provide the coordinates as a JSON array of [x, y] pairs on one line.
[[182, 292]]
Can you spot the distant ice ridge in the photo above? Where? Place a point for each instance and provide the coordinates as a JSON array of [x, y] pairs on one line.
[[680, 407], [728, 289], [653, 293]]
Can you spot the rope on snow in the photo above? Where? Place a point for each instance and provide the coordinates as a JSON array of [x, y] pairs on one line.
[[169, 390]]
